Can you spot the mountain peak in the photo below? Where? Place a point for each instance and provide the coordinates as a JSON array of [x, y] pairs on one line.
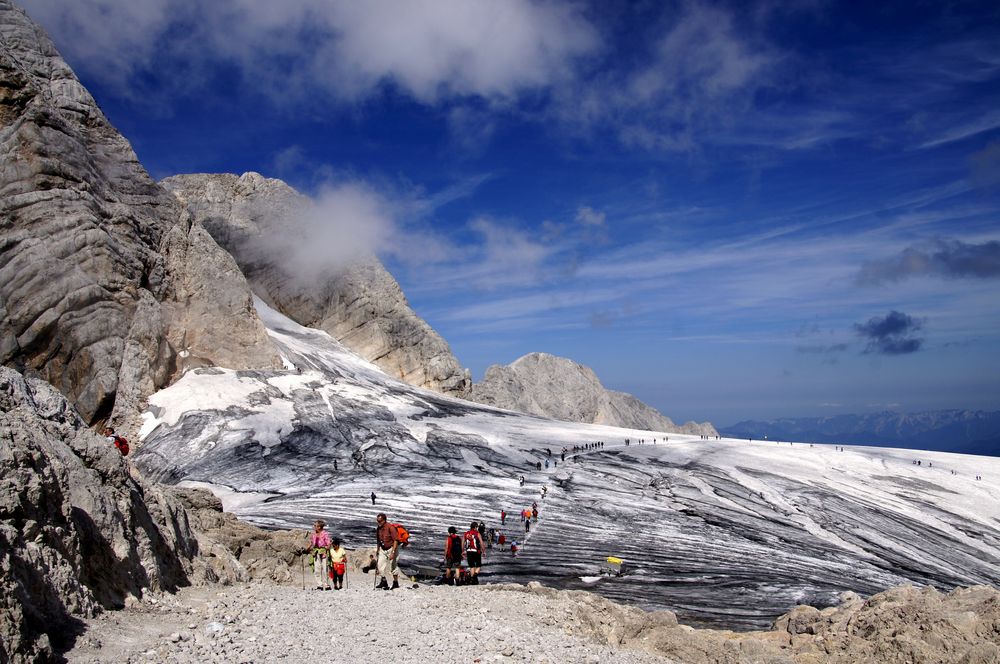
[[558, 387]]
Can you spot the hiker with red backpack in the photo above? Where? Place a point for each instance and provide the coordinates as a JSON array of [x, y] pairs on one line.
[[389, 537], [452, 556], [118, 441], [474, 546]]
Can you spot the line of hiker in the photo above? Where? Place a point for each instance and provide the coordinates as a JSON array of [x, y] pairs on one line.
[[585, 447], [471, 546]]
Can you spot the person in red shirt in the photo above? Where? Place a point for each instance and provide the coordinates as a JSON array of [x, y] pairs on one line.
[[388, 553], [452, 556], [474, 546]]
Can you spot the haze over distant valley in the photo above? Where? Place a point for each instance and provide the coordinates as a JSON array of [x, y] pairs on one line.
[[967, 432]]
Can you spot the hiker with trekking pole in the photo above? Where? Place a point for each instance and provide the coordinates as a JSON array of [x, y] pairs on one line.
[[388, 539], [319, 544]]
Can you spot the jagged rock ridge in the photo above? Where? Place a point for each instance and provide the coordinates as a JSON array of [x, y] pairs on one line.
[[358, 302], [107, 288], [556, 387]]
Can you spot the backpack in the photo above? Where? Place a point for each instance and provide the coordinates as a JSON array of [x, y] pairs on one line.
[[470, 541], [455, 547], [402, 534], [122, 445]]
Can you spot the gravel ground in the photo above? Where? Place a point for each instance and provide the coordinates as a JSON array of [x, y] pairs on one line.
[[269, 623]]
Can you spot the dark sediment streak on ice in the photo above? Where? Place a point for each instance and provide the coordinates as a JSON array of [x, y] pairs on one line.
[[724, 533]]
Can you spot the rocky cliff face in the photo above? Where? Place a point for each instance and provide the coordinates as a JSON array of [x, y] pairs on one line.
[[107, 288], [360, 304], [550, 386], [78, 532]]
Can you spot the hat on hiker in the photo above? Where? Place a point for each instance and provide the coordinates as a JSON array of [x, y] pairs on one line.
[[452, 530]]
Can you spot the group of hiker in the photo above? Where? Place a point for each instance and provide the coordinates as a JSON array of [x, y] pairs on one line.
[[328, 558], [471, 546]]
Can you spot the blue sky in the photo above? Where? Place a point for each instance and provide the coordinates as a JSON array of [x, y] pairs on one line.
[[730, 210]]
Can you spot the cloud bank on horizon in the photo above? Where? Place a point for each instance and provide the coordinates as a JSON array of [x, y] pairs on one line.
[[774, 193]]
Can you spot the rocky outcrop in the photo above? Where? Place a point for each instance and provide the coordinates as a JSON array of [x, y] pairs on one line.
[[107, 288], [902, 624], [259, 221], [78, 531], [238, 551], [550, 386]]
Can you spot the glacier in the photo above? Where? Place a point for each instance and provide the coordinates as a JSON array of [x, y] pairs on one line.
[[726, 533]]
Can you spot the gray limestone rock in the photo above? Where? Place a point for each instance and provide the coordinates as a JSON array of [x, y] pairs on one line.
[[78, 531], [260, 221], [550, 386], [103, 280]]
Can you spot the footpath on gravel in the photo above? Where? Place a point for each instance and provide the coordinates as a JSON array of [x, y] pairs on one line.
[[271, 623]]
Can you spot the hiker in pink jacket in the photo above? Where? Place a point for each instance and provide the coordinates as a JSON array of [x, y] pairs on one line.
[[319, 546]]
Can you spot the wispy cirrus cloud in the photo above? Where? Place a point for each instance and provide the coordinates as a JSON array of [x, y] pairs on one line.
[[967, 129], [696, 73]]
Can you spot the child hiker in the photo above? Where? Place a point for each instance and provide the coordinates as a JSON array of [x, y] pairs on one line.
[[319, 542], [338, 559]]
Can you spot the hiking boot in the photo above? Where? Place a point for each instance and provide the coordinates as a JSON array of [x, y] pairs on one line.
[[395, 584], [383, 586]]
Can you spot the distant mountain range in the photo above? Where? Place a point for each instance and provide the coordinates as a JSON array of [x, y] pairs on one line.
[[965, 431]]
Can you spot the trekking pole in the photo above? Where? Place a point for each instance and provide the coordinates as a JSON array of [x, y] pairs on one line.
[[302, 559], [375, 581]]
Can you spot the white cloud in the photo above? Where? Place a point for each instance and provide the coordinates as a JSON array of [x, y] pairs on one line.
[[507, 250], [588, 216], [344, 223], [429, 49], [699, 74], [111, 38]]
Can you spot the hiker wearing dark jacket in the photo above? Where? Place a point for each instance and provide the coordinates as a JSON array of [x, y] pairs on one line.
[[388, 552], [474, 546], [452, 556]]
